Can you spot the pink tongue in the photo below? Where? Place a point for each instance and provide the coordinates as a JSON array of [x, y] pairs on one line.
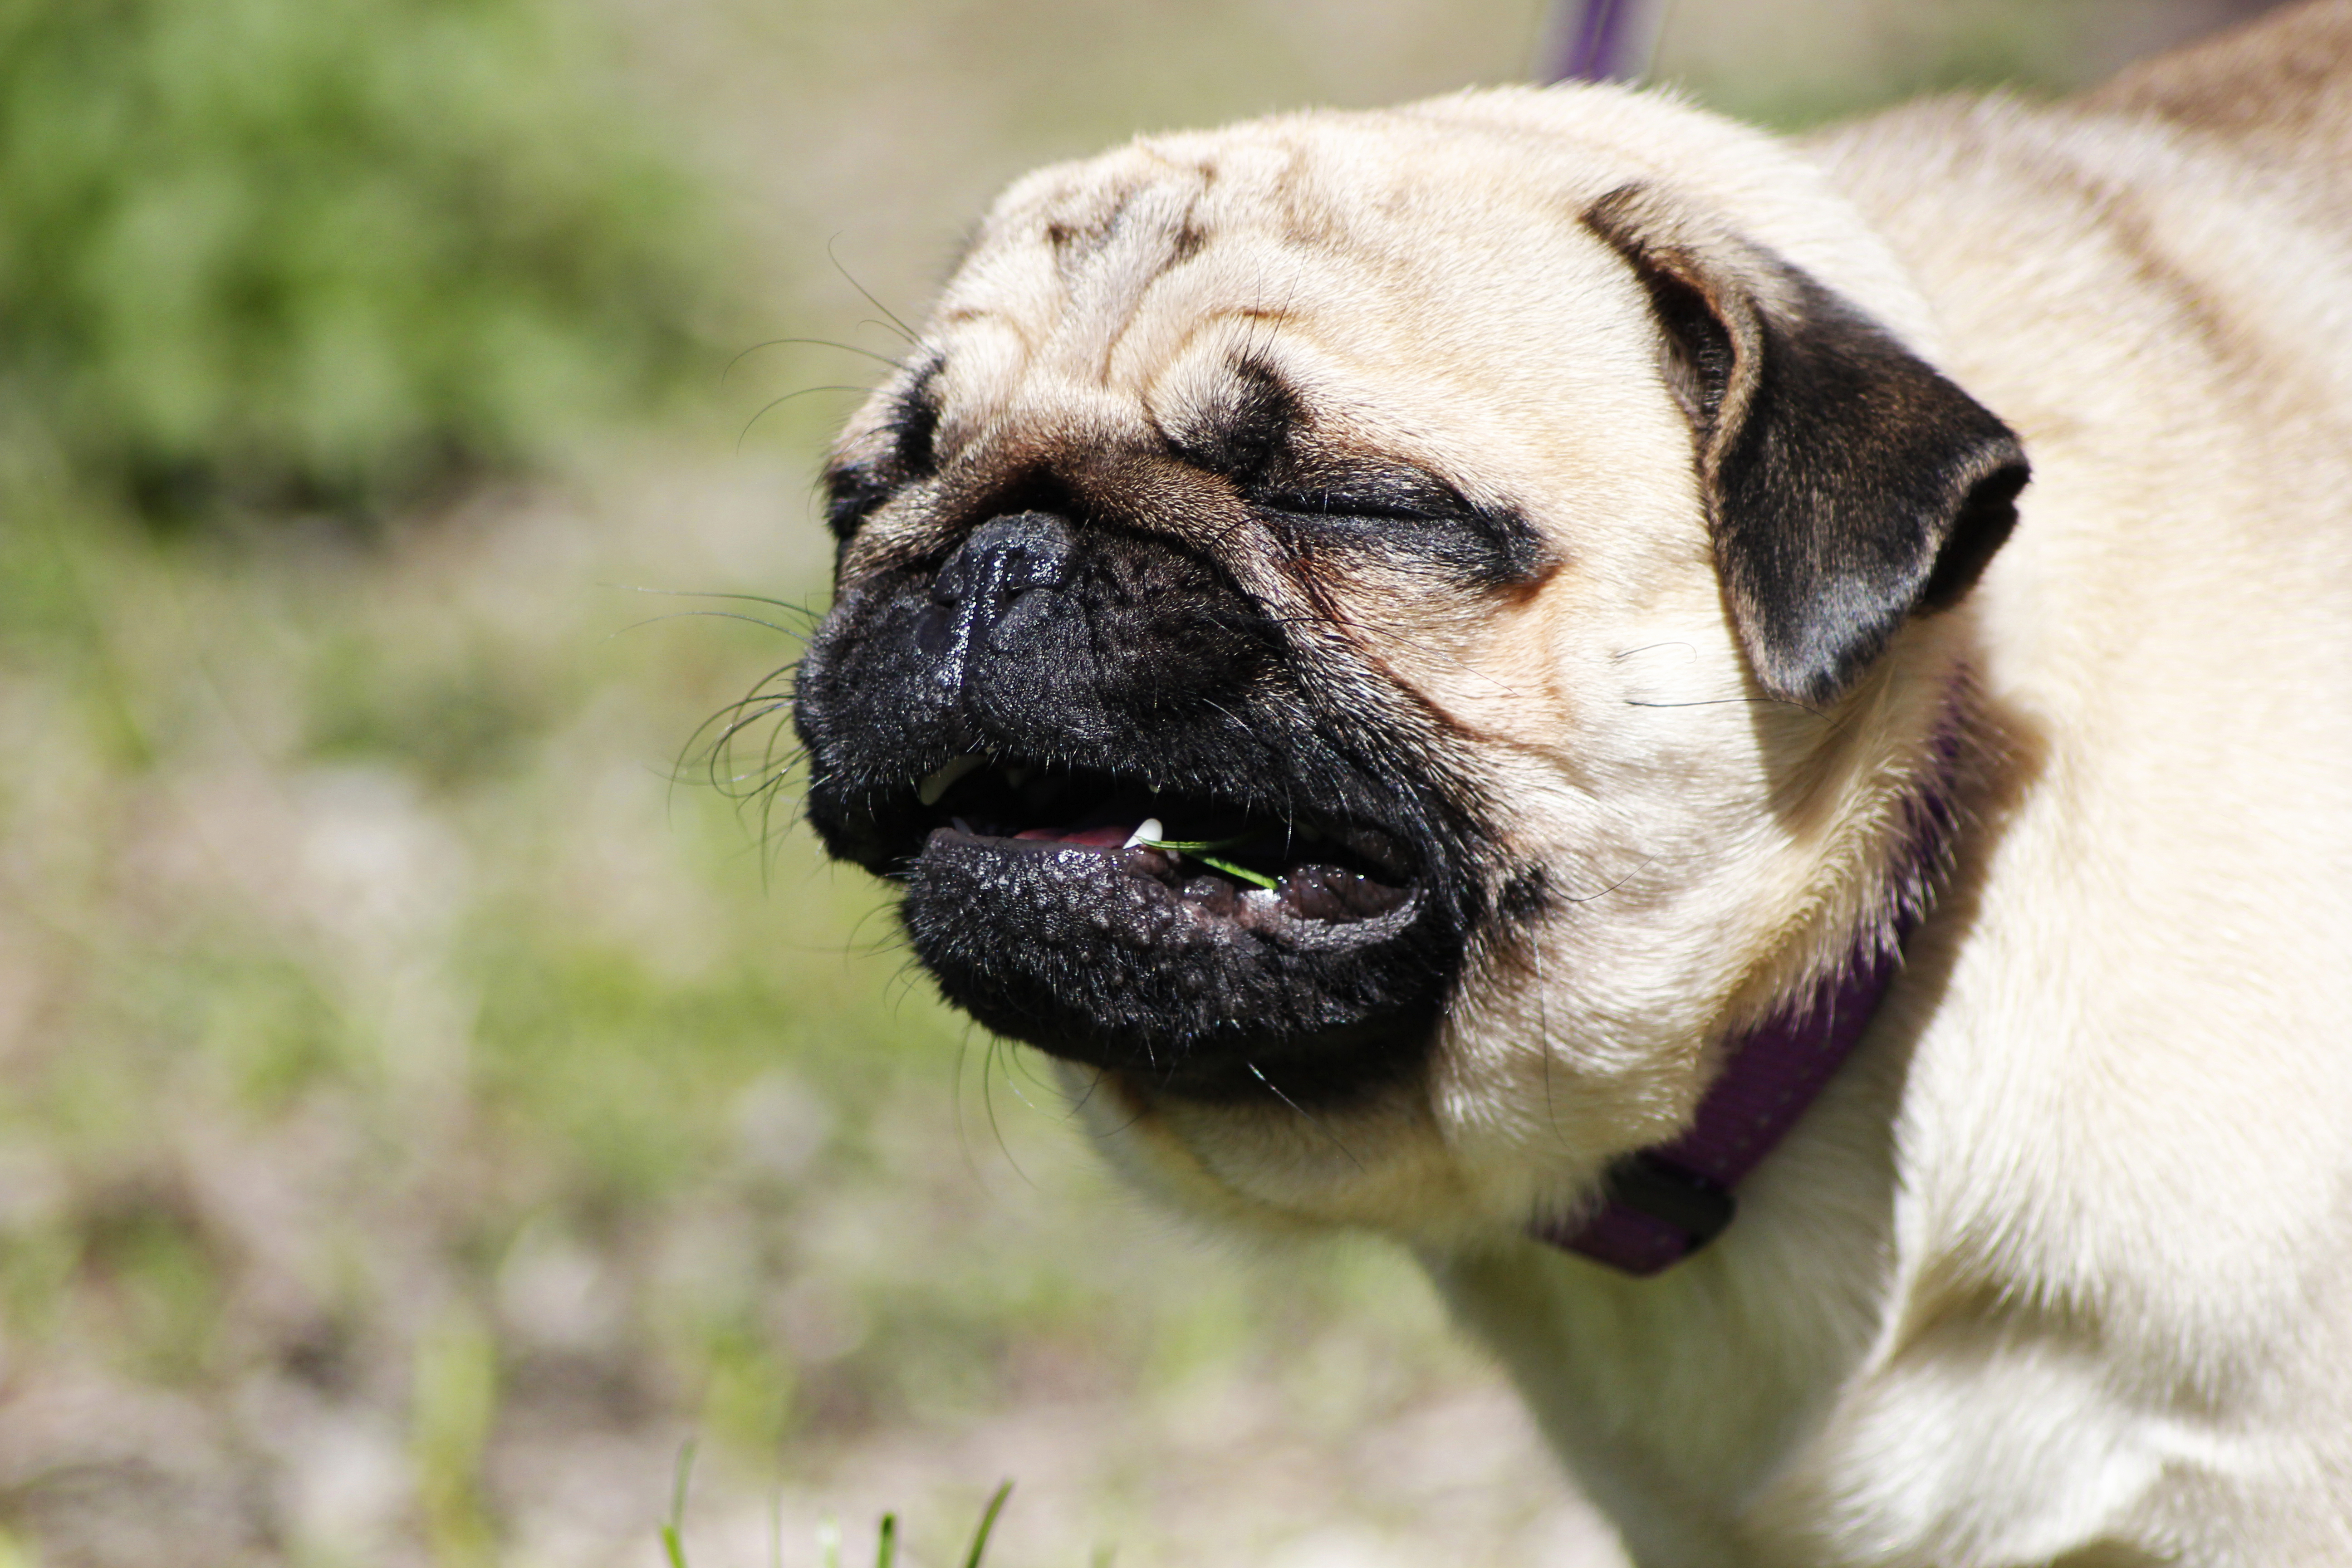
[[1107, 837]]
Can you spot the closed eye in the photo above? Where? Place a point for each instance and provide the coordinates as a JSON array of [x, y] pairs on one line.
[[1363, 507], [1403, 497]]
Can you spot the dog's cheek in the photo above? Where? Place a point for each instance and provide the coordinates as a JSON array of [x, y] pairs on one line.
[[1647, 874]]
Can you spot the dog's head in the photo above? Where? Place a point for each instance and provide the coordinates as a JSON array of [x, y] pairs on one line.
[[1499, 537]]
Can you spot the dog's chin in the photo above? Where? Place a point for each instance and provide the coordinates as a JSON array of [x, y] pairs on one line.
[[1205, 985], [1301, 957]]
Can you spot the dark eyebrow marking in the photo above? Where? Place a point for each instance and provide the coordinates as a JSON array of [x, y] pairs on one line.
[[1249, 431], [916, 422], [853, 492], [855, 489]]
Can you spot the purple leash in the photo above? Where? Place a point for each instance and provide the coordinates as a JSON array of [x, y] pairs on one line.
[[1596, 40]]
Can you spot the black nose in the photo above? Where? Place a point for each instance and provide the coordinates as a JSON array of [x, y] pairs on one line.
[[980, 586]]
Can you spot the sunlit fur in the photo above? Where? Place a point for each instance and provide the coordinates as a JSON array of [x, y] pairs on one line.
[[2056, 1272]]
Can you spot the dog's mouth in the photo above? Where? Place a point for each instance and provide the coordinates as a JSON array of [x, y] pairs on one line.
[[1218, 862], [1215, 946]]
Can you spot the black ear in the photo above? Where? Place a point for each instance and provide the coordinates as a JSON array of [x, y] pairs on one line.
[[1848, 483]]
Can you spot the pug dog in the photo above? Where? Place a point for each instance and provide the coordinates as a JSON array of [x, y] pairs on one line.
[[1746, 745]]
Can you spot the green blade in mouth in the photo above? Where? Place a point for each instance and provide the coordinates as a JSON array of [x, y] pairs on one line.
[[1196, 848], [1243, 872]]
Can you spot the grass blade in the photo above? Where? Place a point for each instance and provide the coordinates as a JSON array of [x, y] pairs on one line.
[[1194, 847], [673, 1543], [987, 1523], [1230, 869], [886, 1551]]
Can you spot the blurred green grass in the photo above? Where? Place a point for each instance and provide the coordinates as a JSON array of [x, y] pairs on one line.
[[331, 253]]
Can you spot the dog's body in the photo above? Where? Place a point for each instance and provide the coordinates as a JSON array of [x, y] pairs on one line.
[[1600, 656]]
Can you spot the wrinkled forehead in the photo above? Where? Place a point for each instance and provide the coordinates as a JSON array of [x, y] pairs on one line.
[[1336, 257]]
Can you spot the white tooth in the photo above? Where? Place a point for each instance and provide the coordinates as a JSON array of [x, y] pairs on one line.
[[938, 783], [1148, 828]]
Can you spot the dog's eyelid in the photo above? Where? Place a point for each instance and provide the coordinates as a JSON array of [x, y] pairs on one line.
[[1343, 501], [1396, 491]]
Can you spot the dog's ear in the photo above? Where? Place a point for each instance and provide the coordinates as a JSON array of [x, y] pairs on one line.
[[1848, 483]]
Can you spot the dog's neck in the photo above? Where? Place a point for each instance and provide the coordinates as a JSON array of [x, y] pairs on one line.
[[1666, 1202]]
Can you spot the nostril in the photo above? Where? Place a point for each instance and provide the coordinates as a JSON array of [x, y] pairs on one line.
[[1006, 557]]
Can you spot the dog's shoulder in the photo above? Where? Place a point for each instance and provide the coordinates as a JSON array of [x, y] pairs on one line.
[[2175, 230], [2278, 88], [2248, 133]]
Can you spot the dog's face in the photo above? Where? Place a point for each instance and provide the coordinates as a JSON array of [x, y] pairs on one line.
[[1505, 556]]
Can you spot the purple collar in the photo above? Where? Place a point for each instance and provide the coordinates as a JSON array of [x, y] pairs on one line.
[[1664, 1202]]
